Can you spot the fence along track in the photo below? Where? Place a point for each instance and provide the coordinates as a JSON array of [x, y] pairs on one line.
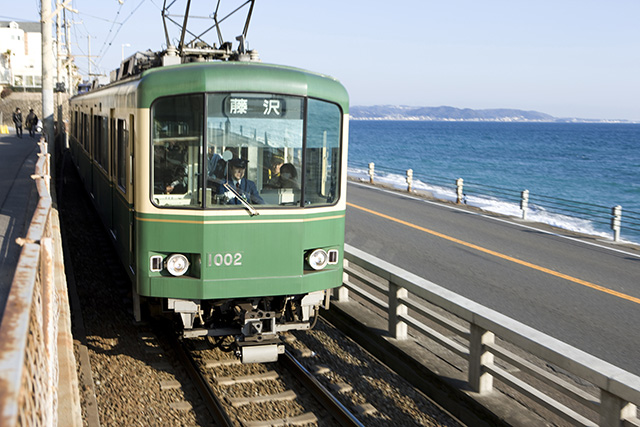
[[29, 367], [228, 373], [618, 391]]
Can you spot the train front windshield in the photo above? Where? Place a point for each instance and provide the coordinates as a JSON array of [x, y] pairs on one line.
[[226, 150]]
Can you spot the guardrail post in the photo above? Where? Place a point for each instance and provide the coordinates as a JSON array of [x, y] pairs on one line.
[[409, 179], [371, 171], [614, 410], [524, 203], [459, 190], [397, 328], [480, 381], [343, 291], [616, 221]]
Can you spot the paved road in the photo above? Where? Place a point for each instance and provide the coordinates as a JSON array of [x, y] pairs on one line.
[[581, 291], [18, 198]]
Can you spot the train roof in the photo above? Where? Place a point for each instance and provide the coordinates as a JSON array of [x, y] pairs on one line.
[[236, 76], [228, 76]]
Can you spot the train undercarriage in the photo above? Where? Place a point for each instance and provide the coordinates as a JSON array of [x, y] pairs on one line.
[[254, 323]]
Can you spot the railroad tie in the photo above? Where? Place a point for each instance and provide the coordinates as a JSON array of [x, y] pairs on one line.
[[266, 376], [288, 395], [307, 418]]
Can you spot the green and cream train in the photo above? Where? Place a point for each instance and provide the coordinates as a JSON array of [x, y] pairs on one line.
[[186, 165]]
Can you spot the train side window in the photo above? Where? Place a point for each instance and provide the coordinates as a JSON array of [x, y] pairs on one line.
[[121, 153], [322, 153], [81, 130], [86, 125], [96, 140], [75, 124], [104, 142], [101, 133]]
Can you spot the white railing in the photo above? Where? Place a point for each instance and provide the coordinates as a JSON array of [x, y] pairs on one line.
[[405, 297], [613, 217], [29, 328]]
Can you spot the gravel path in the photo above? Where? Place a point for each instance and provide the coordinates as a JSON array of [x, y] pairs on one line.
[[396, 402]]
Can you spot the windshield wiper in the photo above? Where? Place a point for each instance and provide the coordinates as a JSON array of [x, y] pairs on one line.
[[251, 209]]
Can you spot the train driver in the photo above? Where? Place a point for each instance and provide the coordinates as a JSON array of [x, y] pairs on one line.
[[243, 186]]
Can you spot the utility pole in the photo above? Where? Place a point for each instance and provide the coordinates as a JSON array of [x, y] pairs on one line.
[[67, 39], [89, 54], [46, 15], [47, 75], [59, 64], [89, 59]]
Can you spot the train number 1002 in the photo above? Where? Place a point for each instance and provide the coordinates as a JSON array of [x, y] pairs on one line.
[[225, 260]]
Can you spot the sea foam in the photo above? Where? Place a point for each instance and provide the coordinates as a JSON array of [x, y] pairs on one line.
[[487, 203]]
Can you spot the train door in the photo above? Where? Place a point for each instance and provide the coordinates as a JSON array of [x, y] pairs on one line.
[[131, 177], [95, 159], [89, 146], [113, 176]]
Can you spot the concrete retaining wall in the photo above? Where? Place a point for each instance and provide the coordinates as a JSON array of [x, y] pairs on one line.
[[25, 101]]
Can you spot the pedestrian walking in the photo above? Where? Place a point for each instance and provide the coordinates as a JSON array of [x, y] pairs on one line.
[[32, 122], [17, 121]]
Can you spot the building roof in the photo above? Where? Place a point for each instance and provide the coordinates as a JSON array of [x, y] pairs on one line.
[[27, 27]]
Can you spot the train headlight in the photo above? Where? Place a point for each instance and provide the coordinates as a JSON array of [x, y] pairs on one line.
[[318, 259], [177, 264]]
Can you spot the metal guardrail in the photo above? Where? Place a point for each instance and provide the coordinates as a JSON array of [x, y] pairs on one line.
[[613, 217], [476, 328], [29, 328]]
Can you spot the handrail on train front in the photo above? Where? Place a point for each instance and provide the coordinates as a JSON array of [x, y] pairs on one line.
[[408, 296]]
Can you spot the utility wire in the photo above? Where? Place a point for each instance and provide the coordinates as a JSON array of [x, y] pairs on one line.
[[104, 50], [83, 31]]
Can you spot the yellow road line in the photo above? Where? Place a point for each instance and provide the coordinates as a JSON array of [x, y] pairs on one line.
[[503, 256]]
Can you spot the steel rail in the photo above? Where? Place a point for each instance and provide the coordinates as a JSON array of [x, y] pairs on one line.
[[214, 405], [328, 400]]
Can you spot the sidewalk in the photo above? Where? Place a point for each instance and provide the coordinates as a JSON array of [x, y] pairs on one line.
[[18, 199], [24, 349]]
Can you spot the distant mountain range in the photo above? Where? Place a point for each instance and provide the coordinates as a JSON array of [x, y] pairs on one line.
[[444, 113]]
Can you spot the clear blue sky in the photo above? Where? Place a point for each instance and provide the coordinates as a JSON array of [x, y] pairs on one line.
[[567, 58]]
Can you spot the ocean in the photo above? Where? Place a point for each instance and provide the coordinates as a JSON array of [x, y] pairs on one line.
[[591, 163]]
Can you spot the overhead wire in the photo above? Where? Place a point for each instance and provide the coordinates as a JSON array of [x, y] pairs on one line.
[[82, 32], [76, 34], [104, 51]]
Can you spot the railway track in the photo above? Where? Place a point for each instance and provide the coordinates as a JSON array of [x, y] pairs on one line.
[[131, 376], [253, 395]]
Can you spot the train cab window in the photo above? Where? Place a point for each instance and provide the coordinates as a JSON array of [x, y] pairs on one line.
[[265, 149], [177, 151], [254, 146], [322, 153]]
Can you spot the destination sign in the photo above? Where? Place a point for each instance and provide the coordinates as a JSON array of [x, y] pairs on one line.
[[255, 108]]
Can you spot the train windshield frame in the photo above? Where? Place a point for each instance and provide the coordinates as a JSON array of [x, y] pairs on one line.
[[262, 149]]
